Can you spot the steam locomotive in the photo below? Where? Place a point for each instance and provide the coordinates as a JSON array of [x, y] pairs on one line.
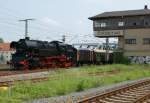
[[32, 54]]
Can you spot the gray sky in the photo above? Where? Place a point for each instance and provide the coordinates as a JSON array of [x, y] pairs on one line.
[[54, 18]]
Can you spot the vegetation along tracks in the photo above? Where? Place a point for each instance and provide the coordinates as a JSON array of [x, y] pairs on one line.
[[135, 93]]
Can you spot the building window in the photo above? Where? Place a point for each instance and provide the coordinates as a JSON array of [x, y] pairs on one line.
[[130, 41], [146, 41], [97, 24], [120, 23], [103, 25]]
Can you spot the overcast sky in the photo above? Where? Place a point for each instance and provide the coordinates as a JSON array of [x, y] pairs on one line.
[[54, 18]]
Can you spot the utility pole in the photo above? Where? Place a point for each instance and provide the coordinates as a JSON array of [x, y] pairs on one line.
[[63, 38], [107, 50], [26, 26]]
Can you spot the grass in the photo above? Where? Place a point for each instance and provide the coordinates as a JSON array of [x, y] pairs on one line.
[[62, 82]]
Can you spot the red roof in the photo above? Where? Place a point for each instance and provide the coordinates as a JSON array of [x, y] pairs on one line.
[[5, 47]]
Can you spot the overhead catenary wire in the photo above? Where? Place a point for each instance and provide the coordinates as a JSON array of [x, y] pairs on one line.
[[10, 13], [38, 27], [39, 23]]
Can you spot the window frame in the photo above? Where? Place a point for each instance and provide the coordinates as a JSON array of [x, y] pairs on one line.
[[121, 23], [97, 24], [130, 41], [146, 41], [103, 25]]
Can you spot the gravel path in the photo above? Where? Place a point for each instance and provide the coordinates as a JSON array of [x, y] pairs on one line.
[[74, 97]]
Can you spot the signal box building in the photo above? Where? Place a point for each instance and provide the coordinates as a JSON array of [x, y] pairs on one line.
[[132, 28]]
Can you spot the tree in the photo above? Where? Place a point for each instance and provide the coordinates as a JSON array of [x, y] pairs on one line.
[[2, 58], [1, 40]]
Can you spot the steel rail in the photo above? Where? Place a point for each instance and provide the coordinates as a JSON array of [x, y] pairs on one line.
[[134, 93]]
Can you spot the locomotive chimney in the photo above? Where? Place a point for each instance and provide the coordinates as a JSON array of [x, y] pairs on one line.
[[146, 7]]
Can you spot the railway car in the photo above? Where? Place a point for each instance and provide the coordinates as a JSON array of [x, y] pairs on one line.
[[100, 56], [32, 54], [85, 56], [93, 56]]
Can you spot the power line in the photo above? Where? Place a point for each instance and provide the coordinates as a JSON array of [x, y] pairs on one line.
[[41, 25], [13, 13], [10, 12], [9, 27], [44, 27]]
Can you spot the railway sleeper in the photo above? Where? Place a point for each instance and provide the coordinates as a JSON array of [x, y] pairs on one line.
[[122, 98], [142, 88], [116, 100], [126, 96], [146, 88], [135, 90], [134, 95], [143, 98], [104, 101], [138, 92], [131, 96]]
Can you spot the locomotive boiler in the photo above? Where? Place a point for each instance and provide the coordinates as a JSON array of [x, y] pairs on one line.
[[32, 54]]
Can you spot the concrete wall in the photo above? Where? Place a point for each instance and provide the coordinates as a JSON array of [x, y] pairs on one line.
[[138, 49]]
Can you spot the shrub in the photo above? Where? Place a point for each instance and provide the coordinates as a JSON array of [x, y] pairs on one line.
[[80, 86], [119, 58]]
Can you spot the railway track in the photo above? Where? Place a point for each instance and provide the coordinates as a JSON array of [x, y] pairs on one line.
[[34, 80], [134, 93], [8, 72], [28, 76]]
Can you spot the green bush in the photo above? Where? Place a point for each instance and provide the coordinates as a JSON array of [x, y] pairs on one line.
[[80, 86], [119, 58], [125, 60]]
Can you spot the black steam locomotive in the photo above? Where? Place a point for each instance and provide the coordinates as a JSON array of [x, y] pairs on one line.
[[42, 54]]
